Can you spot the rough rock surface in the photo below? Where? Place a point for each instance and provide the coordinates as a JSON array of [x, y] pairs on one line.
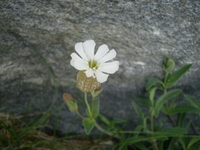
[[37, 38]]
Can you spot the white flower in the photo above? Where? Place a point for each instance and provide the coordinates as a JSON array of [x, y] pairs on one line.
[[95, 65]]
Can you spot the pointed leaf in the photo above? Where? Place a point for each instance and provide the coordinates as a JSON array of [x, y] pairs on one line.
[[192, 142], [171, 145], [88, 124], [141, 146], [164, 98], [181, 119], [152, 93], [184, 109], [143, 101], [175, 76], [171, 131], [193, 101], [138, 111], [183, 142], [138, 130], [123, 147], [104, 120], [72, 105], [132, 140], [95, 107], [151, 82]]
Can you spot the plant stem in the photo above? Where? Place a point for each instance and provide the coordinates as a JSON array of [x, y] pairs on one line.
[[87, 104], [165, 80], [167, 106], [106, 132], [78, 113], [154, 144], [152, 123]]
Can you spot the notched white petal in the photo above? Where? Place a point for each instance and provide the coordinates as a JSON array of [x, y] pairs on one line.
[[110, 67], [85, 55], [88, 47], [109, 56], [81, 66], [102, 51], [89, 72], [101, 77], [75, 57], [78, 63], [80, 51]]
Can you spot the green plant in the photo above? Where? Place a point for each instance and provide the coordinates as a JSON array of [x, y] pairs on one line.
[[149, 131], [162, 99]]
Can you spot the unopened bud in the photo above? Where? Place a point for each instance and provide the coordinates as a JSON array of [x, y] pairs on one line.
[[70, 102], [86, 84], [169, 65], [67, 97]]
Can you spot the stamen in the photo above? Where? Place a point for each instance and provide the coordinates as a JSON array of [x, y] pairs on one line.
[[93, 64]]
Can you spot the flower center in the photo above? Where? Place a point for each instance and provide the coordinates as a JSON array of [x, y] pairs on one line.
[[93, 65]]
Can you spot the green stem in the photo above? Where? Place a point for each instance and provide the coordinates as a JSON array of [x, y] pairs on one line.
[[78, 113], [152, 123], [106, 132], [87, 104], [165, 80], [167, 106], [153, 142]]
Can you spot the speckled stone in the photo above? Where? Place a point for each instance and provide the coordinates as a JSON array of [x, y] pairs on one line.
[[37, 38]]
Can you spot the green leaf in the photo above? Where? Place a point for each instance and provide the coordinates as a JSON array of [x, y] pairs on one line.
[[141, 146], [104, 120], [143, 101], [123, 147], [181, 119], [169, 65], [164, 98], [184, 109], [182, 141], [88, 124], [138, 111], [152, 93], [138, 130], [72, 105], [172, 131], [151, 82], [175, 76], [96, 92], [192, 101], [88, 113], [118, 121], [172, 145], [133, 140], [192, 142], [95, 107]]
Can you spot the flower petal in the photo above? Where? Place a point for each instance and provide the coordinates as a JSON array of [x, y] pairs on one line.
[[88, 47], [110, 67], [101, 77], [109, 56], [78, 63], [102, 51], [89, 72], [80, 51]]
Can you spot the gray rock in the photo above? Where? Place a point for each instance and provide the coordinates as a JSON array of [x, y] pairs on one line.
[[37, 38]]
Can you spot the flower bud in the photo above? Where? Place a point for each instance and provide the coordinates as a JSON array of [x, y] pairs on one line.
[[169, 65], [86, 84], [67, 97], [70, 102]]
